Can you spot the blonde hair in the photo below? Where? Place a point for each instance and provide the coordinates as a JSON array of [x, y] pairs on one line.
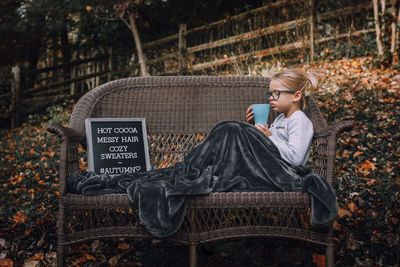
[[298, 81]]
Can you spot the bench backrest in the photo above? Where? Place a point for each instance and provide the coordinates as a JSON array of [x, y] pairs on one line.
[[179, 110]]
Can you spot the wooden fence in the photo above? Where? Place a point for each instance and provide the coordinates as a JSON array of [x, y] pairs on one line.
[[183, 53], [176, 55], [34, 89]]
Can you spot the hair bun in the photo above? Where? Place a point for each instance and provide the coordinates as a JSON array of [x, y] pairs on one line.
[[313, 82]]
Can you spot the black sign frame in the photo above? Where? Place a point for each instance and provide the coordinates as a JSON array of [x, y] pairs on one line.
[[111, 163]]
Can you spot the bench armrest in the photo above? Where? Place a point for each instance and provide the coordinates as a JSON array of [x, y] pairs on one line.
[[69, 161], [63, 132], [326, 141], [335, 128]]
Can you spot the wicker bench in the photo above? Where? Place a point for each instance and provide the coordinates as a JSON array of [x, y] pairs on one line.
[[179, 112]]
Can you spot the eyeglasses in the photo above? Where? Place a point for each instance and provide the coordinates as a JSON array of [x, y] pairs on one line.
[[277, 93]]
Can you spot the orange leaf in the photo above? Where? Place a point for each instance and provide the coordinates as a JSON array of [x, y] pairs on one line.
[[337, 226], [28, 231], [369, 165], [343, 212], [319, 260], [89, 257], [352, 206], [37, 256], [358, 153], [6, 263], [19, 218], [41, 182], [16, 179], [123, 246], [348, 97], [51, 154], [77, 262]]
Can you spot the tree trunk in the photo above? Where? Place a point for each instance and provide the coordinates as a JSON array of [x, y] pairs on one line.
[[377, 27], [135, 33], [182, 47], [66, 50], [15, 96], [313, 27], [395, 33]]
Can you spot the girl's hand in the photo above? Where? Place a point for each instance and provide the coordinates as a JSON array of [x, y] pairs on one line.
[[263, 129], [250, 115]]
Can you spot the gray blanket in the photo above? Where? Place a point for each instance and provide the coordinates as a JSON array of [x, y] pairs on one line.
[[235, 157]]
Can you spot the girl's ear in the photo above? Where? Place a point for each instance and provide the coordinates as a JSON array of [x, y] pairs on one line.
[[297, 96]]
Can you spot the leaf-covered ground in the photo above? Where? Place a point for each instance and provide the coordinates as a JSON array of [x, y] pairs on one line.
[[368, 187]]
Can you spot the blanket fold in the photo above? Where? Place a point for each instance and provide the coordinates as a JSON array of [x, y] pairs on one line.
[[235, 157]]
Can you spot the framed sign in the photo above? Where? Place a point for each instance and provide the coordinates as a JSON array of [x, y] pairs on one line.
[[117, 145]]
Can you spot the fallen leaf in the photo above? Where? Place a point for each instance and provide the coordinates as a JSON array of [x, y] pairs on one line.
[[114, 260], [6, 263], [319, 260], [28, 231], [37, 256], [337, 226], [123, 246], [42, 240], [348, 97], [371, 182], [89, 257], [343, 212], [352, 206], [95, 245], [16, 179], [369, 165], [19, 218]]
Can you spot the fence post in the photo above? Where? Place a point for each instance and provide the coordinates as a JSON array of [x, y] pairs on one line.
[[182, 47], [313, 27], [73, 84], [97, 69], [15, 95], [109, 75]]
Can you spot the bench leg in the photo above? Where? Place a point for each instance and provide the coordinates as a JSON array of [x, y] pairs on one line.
[[193, 256], [330, 249], [60, 234], [60, 255], [330, 255]]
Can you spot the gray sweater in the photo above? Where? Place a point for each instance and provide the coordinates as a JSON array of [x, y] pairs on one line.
[[293, 137]]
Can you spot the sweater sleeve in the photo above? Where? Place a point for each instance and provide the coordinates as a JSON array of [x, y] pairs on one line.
[[300, 133]]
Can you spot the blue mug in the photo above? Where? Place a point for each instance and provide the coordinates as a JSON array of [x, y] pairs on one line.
[[261, 112]]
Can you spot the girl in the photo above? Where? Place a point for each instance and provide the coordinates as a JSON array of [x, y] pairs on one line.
[[236, 157], [292, 130]]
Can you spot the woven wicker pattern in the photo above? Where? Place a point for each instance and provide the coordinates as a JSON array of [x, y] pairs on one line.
[[179, 112], [166, 149]]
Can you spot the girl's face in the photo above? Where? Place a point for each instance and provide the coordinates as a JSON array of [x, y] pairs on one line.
[[280, 100]]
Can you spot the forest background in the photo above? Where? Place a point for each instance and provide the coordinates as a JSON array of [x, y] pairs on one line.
[[357, 65]]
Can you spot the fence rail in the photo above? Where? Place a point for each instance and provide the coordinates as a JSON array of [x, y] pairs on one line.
[[305, 42], [74, 78]]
